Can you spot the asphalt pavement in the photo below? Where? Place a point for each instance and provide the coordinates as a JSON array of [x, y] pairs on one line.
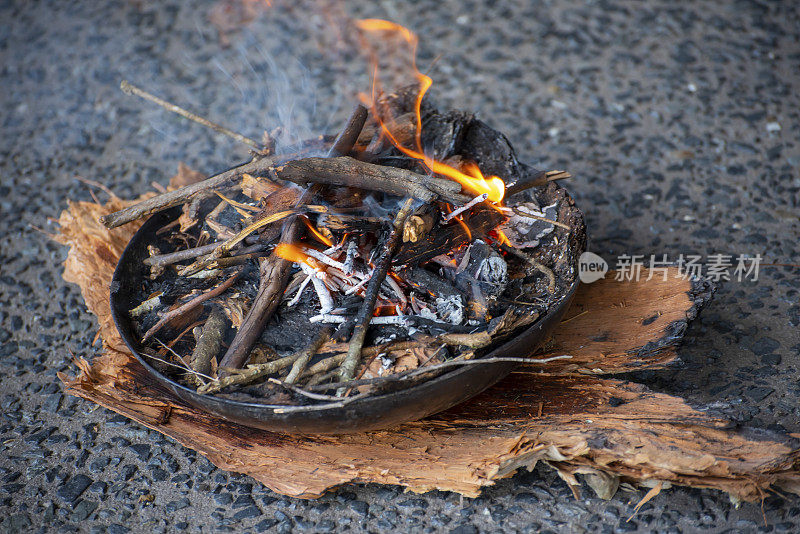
[[679, 121]]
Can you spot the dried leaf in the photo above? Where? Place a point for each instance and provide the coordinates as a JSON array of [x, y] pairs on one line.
[[185, 176]]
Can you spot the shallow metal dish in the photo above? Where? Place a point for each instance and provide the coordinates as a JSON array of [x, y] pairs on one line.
[[369, 413]]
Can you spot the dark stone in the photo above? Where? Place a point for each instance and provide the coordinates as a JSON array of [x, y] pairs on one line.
[[83, 510], [650, 320], [264, 525], [242, 501], [247, 513], [223, 499], [73, 488], [771, 359], [360, 507], [174, 506], [141, 450], [616, 401], [765, 345], [759, 393]]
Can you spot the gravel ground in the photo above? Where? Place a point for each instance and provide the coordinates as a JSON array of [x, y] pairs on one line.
[[679, 123]]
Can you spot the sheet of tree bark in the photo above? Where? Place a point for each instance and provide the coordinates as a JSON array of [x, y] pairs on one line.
[[607, 430]]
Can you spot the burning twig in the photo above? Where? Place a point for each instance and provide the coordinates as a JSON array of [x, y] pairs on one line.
[[465, 207], [536, 179], [371, 294], [349, 172]]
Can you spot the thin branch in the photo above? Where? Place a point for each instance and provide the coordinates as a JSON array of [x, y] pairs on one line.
[[192, 304], [130, 89]]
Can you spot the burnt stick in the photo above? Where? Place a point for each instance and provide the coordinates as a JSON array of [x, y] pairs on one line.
[[187, 193], [189, 306], [535, 178], [347, 139], [162, 260], [209, 342], [371, 293], [273, 278], [349, 172]]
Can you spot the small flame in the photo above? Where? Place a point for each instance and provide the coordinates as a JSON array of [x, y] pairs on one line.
[[460, 221], [473, 180], [502, 238], [295, 254], [316, 233]]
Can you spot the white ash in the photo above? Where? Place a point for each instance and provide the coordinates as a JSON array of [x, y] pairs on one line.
[[449, 309], [300, 290], [527, 232], [325, 299], [350, 258], [327, 260], [485, 267]]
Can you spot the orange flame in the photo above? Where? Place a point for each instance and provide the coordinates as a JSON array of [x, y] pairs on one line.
[[316, 233], [295, 254], [473, 180], [460, 221]]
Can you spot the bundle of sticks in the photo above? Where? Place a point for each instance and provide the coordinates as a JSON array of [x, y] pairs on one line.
[[378, 262]]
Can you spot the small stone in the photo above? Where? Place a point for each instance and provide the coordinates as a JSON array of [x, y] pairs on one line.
[[142, 450], [223, 499], [83, 510], [360, 507], [174, 506], [242, 501], [73, 488], [759, 393], [247, 513], [765, 345], [265, 525], [771, 359]]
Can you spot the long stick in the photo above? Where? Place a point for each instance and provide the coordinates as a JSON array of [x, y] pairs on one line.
[[257, 167], [349, 172], [371, 294], [129, 89], [536, 179]]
